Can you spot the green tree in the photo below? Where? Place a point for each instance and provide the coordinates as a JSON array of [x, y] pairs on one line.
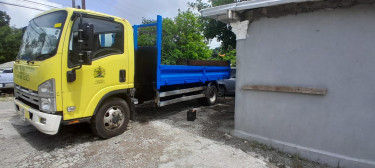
[[189, 37], [10, 39], [182, 38], [4, 18], [216, 29], [218, 54]]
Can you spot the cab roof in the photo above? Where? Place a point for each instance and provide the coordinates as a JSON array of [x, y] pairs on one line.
[[71, 10]]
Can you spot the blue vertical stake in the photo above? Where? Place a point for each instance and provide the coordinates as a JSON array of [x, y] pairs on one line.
[[102, 40], [158, 45], [135, 29]]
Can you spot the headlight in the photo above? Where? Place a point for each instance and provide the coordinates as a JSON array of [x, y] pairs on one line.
[[47, 89], [47, 104], [46, 92]]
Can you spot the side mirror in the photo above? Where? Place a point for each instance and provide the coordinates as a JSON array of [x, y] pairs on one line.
[[71, 75], [86, 58], [85, 46], [88, 36]]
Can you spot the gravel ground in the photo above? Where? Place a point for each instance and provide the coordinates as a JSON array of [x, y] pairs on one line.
[[6, 95], [158, 138]]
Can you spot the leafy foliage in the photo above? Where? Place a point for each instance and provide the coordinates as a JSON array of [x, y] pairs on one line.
[[218, 54], [216, 29], [4, 18], [182, 38], [10, 39]]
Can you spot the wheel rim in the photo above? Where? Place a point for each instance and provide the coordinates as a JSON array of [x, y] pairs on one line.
[[212, 95], [113, 118]]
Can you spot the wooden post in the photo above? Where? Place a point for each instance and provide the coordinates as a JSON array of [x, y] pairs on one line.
[[83, 4]]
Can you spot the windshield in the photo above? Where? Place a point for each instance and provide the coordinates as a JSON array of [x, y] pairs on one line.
[[42, 36]]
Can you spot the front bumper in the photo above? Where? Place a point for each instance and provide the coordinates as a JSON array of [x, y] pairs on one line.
[[6, 86], [46, 123]]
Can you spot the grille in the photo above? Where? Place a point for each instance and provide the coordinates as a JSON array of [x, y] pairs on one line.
[[27, 96]]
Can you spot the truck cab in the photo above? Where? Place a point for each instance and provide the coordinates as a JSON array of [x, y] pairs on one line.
[[53, 84]]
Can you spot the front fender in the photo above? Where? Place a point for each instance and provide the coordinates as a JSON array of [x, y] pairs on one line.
[[101, 96]]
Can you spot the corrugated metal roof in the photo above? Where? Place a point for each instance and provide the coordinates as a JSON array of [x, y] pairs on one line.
[[246, 5]]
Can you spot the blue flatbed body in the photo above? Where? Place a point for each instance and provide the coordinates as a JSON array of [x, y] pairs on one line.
[[183, 74], [180, 74]]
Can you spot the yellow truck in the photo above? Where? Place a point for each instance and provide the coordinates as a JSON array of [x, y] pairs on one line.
[[79, 66]]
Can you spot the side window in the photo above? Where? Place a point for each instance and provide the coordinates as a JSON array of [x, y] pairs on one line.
[[108, 40]]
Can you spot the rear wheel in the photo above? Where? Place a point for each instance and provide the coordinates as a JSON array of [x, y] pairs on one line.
[[112, 118], [221, 90], [211, 96]]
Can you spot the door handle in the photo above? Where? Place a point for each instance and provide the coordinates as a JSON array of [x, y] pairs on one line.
[[122, 75]]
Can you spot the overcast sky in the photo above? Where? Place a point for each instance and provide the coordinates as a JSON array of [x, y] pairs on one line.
[[20, 16], [131, 10], [128, 9]]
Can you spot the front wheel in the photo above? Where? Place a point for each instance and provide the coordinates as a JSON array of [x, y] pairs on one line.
[[112, 118], [211, 96]]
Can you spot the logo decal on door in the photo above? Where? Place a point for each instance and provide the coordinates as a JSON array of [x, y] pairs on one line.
[[99, 72]]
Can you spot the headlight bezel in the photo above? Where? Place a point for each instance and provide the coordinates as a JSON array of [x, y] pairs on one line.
[[47, 93], [47, 88]]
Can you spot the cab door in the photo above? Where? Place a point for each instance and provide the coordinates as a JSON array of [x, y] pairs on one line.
[[107, 72]]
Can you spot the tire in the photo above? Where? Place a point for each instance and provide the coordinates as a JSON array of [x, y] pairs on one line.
[[222, 90], [111, 119], [211, 96]]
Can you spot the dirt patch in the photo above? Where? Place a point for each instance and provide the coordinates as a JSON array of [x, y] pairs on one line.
[[6, 95]]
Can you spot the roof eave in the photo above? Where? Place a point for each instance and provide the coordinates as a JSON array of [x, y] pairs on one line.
[[221, 12]]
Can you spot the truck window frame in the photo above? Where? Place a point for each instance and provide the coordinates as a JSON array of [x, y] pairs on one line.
[[72, 64]]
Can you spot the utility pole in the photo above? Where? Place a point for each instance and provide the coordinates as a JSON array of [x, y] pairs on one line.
[[83, 4], [73, 3]]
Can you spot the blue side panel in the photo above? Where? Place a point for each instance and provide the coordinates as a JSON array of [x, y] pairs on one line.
[[182, 74]]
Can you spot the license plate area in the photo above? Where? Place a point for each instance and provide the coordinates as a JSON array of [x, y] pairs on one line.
[[23, 112]]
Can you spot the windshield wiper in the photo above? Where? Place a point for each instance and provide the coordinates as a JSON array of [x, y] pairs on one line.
[[42, 56], [30, 61]]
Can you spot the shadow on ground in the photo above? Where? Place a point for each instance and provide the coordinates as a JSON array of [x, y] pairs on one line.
[[67, 135]]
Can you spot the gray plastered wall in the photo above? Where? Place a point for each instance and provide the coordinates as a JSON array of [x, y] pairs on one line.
[[328, 48]]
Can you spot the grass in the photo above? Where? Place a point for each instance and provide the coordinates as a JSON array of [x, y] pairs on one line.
[[296, 161], [255, 144]]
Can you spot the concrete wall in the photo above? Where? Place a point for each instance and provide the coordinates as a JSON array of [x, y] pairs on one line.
[[333, 49]]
